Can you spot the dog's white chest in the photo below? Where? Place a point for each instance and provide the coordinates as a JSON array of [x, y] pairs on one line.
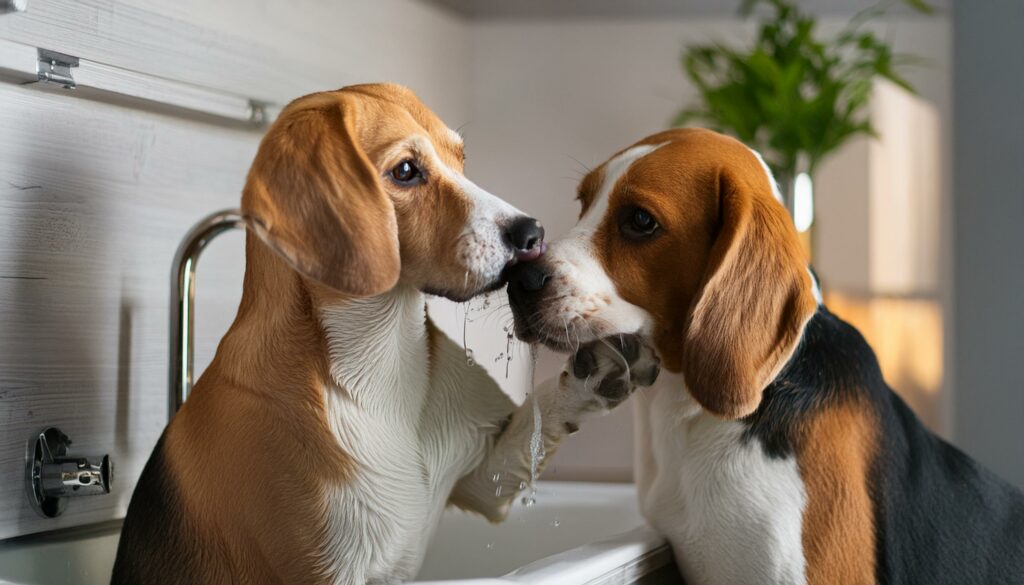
[[732, 514], [381, 520]]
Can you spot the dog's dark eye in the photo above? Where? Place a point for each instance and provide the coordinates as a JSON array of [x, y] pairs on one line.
[[406, 173], [637, 223]]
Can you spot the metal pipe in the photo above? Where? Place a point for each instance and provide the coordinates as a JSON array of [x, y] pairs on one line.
[[183, 294]]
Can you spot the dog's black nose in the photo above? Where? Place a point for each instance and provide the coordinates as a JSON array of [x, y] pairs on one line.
[[528, 278], [526, 236]]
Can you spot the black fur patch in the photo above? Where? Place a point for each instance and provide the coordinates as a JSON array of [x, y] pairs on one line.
[[832, 365], [156, 545], [940, 518]]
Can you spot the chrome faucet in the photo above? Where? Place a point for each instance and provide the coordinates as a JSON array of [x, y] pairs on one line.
[[183, 294]]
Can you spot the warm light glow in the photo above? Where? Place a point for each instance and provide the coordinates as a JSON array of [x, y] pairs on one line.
[[907, 336], [803, 202]]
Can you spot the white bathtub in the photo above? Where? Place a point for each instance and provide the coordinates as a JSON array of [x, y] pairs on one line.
[[576, 533]]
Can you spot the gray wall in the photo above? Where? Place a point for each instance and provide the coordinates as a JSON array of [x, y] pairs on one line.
[[989, 232]]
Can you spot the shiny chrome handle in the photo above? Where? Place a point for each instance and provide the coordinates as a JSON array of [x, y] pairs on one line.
[[183, 294]]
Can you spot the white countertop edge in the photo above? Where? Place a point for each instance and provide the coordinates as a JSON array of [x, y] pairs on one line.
[[590, 561], [579, 565]]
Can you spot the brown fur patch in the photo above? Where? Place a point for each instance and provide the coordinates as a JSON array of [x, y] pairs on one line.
[[588, 187], [314, 196], [318, 191], [834, 456], [724, 278]]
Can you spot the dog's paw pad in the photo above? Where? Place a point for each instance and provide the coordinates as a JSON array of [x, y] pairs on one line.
[[607, 371]]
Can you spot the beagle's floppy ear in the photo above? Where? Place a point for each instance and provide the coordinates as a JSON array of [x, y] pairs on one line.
[[314, 197], [756, 297]]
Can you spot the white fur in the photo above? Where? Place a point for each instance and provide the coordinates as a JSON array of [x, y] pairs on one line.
[[576, 268], [815, 287], [422, 426], [454, 136], [732, 514], [771, 177]]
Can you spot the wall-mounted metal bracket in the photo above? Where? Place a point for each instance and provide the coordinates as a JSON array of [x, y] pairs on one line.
[[7, 6], [54, 67], [29, 65], [54, 476]]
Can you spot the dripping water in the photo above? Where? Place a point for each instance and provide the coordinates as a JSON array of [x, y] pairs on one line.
[[465, 322], [508, 350], [537, 438]]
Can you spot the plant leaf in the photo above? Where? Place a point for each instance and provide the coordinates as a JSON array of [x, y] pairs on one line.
[[920, 6]]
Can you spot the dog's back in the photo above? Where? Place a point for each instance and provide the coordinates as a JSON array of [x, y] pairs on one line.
[[943, 518], [939, 517]]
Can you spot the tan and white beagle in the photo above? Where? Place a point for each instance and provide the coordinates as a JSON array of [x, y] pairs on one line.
[[336, 422], [771, 451]]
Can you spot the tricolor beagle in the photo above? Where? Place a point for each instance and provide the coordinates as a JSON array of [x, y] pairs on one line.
[[771, 450], [336, 422]]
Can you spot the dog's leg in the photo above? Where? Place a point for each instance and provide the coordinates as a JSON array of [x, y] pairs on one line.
[[598, 377]]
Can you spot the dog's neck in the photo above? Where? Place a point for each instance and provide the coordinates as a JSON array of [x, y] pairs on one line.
[[291, 334], [377, 348]]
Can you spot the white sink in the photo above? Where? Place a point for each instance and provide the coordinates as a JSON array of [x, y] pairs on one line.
[[576, 533]]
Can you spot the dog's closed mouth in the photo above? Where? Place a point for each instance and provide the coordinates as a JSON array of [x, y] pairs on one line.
[[536, 334], [464, 296], [532, 254]]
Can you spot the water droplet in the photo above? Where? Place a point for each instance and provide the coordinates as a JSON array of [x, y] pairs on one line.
[[522, 485], [490, 545], [556, 522], [496, 478], [500, 357], [497, 492], [529, 501], [508, 351], [470, 358]]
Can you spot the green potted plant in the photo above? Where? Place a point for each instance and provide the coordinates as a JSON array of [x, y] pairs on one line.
[[793, 95]]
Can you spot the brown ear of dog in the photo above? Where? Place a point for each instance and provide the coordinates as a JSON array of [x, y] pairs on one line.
[[314, 197], [756, 298]]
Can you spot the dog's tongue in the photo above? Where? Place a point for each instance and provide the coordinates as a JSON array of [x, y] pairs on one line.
[[532, 254]]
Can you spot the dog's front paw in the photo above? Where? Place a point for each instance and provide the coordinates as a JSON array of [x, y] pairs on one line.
[[602, 374]]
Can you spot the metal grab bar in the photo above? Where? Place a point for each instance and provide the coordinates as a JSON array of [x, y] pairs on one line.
[[183, 294]]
